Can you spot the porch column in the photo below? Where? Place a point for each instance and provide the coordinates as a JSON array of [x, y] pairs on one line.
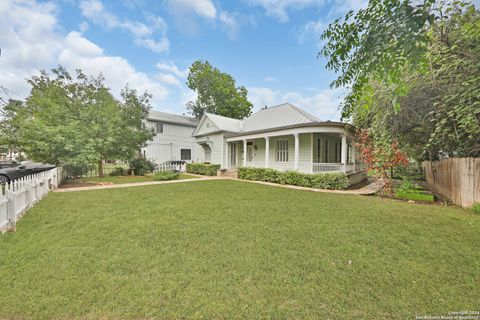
[[344, 153], [267, 151], [244, 153], [297, 150], [353, 155], [227, 158]]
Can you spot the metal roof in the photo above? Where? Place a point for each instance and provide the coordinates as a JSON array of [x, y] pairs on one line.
[[224, 123], [284, 115], [172, 118]]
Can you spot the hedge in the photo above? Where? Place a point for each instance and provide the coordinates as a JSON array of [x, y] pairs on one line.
[[203, 168], [331, 180]]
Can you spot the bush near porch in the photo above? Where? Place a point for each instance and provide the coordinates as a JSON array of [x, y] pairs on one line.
[[333, 181], [203, 168]]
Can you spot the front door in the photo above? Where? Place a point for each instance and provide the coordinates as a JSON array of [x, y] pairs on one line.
[[250, 156], [208, 153]]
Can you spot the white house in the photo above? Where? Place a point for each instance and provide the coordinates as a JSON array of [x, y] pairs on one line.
[[173, 138], [283, 137]]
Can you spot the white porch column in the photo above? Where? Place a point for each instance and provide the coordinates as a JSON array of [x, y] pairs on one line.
[[297, 150], [353, 158], [244, 153], [344, 153], [267, 151], [227, 158]]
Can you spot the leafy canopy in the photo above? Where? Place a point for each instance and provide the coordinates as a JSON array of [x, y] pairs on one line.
[[216, 92], [77, 121]]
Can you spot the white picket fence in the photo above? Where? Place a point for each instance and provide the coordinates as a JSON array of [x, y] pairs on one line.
[[170, 167], [21, 194]]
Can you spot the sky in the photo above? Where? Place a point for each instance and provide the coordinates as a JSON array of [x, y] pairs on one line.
[[268, 46]]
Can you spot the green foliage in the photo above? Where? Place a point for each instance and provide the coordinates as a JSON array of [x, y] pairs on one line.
[[409, 190], [165, 175], [203, 168], [10, 124], [77, 121], [78, 170], [216, 92], [334, 181], [408, 186], [439, 114], [476, 208], [141, 166], [118, 171], [377, 42]]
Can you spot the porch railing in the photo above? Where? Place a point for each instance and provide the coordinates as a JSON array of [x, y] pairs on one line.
[[327, 167], [306, 167]]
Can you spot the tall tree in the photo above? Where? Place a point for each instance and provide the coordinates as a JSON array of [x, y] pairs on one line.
[[10, 125], [77, 121], [216, 92]]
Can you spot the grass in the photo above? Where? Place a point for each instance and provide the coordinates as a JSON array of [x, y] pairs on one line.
[[231, 249], [415, 196], [125, 179]]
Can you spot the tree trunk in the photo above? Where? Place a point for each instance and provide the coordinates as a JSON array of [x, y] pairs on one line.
[[100, 168], [11, 154]]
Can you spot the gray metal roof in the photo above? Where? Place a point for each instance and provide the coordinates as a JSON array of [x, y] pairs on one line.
[[284, 115], [172, 118], [225, 123]]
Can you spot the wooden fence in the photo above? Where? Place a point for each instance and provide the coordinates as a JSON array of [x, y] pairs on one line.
[[455, 178], [21, 194]]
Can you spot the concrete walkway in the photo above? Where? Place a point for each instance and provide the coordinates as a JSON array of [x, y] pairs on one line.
[[369, 189], [133, 184], [365, 190]]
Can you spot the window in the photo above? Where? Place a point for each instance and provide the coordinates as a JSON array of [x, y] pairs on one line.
[[185, 154], [281, 154], [233, 154], [319, 149], [337, 152], [326, 151], [159, 127]]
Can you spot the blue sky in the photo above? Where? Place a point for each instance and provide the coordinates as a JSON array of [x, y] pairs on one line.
[[266, 45]]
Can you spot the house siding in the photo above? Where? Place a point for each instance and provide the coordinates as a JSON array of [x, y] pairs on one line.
[[207, 127], [167, 146], [217, 146]]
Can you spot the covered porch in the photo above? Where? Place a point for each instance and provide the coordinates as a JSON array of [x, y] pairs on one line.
[[316, 151]]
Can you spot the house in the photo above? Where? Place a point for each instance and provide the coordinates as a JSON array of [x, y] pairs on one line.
[[282, 137], [173, 138]]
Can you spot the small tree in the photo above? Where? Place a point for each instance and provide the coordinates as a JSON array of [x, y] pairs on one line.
[[78, 122], [216, 92], [380, 156]]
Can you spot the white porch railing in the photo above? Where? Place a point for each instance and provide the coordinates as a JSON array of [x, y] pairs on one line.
[[21, 194], [306, 167], [327, 167], [170, 167]]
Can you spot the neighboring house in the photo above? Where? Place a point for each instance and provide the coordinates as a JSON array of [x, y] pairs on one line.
[[283, 137], [173, 138]]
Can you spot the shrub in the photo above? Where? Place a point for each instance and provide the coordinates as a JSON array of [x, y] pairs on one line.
[[408, 186], [165, 175], [141, 166], [203, 168], [78, 170], [334, 181], [118, 171], [476, 208]]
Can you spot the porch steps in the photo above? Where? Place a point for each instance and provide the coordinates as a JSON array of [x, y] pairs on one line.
[[230, 174]]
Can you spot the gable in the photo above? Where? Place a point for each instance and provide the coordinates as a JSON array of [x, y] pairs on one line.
[[205, 126]]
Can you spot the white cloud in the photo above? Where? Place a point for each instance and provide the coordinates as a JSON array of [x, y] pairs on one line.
[[203, 8], [143, 34], [171, 67], [168, 78], [32, 40], [314, 28], [279, 8], [230, 23], [324, 103], [117, 70], [83, 26], [269, 79]]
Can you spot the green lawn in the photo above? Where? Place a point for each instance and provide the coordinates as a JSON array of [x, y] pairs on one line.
[[125, 179], [232, 249]]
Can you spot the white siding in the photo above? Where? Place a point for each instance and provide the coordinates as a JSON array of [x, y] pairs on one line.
[[207, 126], [167, 145], [217, 146]]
